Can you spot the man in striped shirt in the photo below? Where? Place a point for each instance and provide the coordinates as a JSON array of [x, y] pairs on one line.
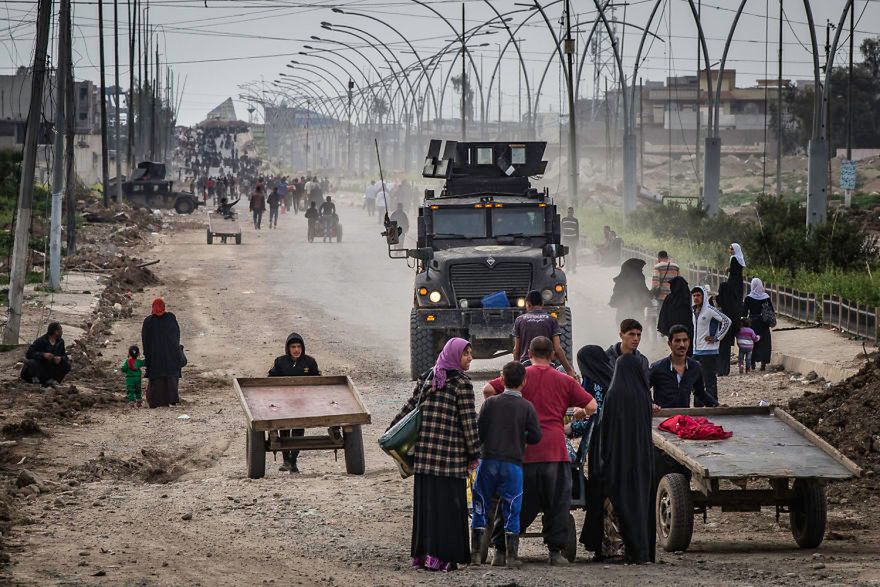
[[664, 272]]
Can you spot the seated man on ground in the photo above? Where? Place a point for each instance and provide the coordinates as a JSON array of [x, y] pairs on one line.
[[46, 360]]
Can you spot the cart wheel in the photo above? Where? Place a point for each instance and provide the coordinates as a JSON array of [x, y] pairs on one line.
[[256, 453], [807, 513], [210, 237], [675, 512], [238, 239], [354, 451], [571, 544], [339, 233]]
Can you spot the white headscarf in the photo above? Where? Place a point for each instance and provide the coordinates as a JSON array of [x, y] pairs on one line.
[[756, 290], [738, 254]]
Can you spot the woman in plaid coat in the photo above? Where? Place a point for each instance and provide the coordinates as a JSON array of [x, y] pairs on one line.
[[448, 447]]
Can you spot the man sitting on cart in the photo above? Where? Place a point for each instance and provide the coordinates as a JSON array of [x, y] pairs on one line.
[[293, 363]]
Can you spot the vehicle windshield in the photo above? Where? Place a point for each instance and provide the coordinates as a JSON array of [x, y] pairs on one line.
[[460, 223], [517, 222]]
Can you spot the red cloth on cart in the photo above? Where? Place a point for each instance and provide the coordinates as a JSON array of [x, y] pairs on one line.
[[691, 428]]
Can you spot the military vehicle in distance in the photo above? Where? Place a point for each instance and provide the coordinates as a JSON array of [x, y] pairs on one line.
[[148, 187], [484, 242]]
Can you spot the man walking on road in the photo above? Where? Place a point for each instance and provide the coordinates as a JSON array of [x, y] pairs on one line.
[[571, 234], [370, 198], [710, 326], [258, 206]]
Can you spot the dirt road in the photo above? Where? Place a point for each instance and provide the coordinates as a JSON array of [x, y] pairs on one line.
[[147, 498]]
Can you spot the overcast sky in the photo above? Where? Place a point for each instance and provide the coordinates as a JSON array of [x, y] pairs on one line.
[[215, 49]]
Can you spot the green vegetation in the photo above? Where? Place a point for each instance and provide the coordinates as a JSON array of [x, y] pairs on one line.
[[837, 258]]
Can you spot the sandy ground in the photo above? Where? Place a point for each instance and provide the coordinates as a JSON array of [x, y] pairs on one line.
[[146, 498]]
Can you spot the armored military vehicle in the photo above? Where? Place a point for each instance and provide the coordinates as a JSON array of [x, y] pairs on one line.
[[484, 241], [148, 187]]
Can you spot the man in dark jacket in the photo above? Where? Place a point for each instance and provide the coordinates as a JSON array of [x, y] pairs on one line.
[[293, 363], [46, 361], [630, 337]]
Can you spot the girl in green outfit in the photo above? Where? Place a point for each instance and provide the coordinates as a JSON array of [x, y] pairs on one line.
[[131, 367]]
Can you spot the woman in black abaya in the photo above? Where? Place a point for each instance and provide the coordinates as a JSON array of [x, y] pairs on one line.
[[676, 308], [630, 295], [620, 500], [731, 306]]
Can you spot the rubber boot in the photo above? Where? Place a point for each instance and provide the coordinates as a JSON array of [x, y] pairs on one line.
[[500, 559], [476, 541], [512, 543]]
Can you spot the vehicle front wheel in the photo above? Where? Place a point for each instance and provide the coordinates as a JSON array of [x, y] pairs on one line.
[[421, 347], [184, 206], [675, 513]]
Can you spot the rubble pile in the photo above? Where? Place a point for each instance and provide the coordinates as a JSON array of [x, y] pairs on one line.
[[845, 415], [152, 466]]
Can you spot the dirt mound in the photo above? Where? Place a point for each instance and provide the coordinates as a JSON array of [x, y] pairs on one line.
[[846, 416], [151, 466], [26, 427]]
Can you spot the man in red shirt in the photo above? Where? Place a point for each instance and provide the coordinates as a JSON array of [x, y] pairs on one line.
[[546, 465]]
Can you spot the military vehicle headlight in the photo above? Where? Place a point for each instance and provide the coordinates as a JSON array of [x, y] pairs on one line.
[[521, 303], [435, 296], [547, 295], [559, 288], [463, 303], [423, 291]]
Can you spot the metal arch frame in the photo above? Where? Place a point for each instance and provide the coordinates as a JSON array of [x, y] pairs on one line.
[[407, 110], [512, 39], [365, 58], [405, 40], [320, 53], [319, 68], [321, 102], [470, 57], [361, 89]]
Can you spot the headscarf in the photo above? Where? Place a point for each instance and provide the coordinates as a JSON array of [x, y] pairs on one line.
[[756, 290], [676, 308], [449, 359], [629, 286], [595, 366], [158, 307], [738, 254]]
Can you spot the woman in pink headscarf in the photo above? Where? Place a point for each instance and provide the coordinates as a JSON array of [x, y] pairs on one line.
[[447, 448]]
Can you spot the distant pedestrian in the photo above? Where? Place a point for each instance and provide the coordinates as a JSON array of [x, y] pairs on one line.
[[731, 306], [131, 368], [370, 198], [274, 201], [399, 216], [446, 450], [745, 340], [571, 234], [710, 326], [258, 206], [735, 270], [676, 308], [163, 355], [662, 275], [630, 295], [759, 309]]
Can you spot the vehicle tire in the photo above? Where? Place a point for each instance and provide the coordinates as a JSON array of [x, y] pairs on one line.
[[238, 239], [808, 512], [339, 233], [354, 451], [184, 206], [421, 347], [566, 338], [675, 513], [571, 543], [256, 453], [210, 237]]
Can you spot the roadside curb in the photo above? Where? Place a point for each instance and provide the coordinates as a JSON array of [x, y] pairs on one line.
[[829, 371]]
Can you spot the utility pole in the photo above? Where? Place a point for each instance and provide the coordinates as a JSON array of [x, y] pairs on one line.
[[348, 138], [572, 123], [58, 150], [116, 125], [849, 88], [21, 247], [129, 111], [464, 84], [642, 135], [69, 135], [500, 128], [105, 167], [779, 112], [699, 94]]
